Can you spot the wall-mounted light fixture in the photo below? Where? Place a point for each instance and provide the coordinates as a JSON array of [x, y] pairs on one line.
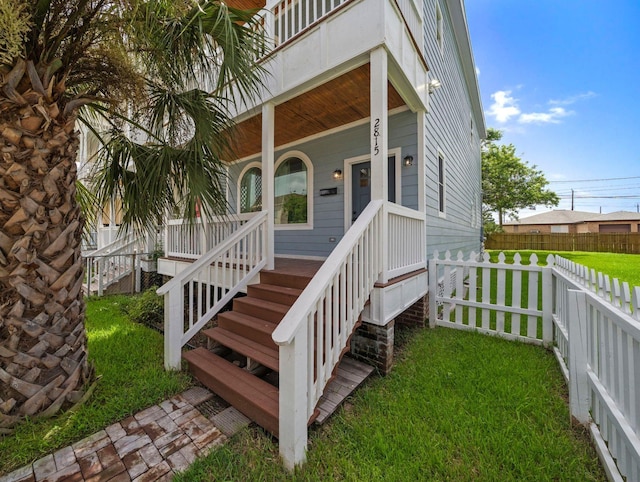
[[433, 85], [408, 161], [337, 174]]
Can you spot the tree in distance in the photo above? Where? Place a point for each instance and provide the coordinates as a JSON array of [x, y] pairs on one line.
[[509, 183]]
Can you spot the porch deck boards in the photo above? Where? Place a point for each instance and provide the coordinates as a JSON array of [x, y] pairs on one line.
[[300, 267], [292, 266]]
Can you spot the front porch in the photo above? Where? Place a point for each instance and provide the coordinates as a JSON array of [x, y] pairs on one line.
[[324, 174], [276, 326]]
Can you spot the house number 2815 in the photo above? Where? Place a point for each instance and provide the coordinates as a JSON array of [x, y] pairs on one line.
[[376, 134]]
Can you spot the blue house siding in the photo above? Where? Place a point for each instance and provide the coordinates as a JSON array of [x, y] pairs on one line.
[[449, 132], [327, 153]]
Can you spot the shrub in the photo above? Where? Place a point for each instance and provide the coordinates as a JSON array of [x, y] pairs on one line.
[[147, 308]]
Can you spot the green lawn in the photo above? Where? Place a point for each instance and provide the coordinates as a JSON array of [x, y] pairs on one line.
[[457, 406], [128, 357], [625, 267]]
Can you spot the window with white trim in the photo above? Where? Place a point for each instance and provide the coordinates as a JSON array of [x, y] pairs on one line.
[[441, 182], [439, 28], [292, 181], [250, 190]]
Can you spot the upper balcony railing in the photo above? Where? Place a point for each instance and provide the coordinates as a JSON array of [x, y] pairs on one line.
[[285, 19]]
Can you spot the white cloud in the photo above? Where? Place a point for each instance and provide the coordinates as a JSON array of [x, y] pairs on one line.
[[573, 99], [504, 106], [477, 72], [552, 116]]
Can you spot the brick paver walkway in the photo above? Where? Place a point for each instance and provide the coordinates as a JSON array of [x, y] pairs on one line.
[[152, 445]]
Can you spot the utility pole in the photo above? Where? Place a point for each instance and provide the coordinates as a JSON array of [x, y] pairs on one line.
[[572, 199]]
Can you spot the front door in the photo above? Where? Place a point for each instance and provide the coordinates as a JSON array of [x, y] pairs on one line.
[[361, 185]]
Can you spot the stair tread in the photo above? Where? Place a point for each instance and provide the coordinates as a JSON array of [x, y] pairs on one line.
[[277, 288], [259, 323], [285, 279], [269, 305], [249, 394], [252, 349]]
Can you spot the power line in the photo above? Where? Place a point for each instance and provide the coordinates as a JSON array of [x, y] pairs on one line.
[[593, 189], [600, 180], [568, 196]]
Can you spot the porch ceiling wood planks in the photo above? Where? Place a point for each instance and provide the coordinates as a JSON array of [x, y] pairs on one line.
[[246, 4], [340, 101]]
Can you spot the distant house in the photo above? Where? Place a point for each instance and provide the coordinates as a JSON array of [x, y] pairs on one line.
[[566, 221]]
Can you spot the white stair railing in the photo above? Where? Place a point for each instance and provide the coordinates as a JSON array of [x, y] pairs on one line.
[[315, 331], [113, 262], [190, 240], [197, 294], [407, 241]]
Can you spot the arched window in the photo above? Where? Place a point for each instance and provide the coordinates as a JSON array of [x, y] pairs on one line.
[[250, 191], [292, 180]]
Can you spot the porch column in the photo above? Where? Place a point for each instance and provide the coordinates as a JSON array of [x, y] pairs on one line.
[[379, 146], [379, 123], [422, 195], [112, 219], [268, 177], [422, 135]]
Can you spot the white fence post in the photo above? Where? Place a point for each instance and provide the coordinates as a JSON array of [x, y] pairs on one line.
[[292, 435], [578, 384], [433, 290], [173, 308], [547, 306]]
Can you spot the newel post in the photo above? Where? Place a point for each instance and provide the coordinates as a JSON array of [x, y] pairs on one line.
[[292, 436], [578, 383], [433, 289], [173, 311]]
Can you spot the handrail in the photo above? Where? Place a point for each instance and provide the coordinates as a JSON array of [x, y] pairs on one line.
[[208, 258], [193, 238], [209, 284], [293, 320], [111, 263], [314, 333], [115, 245]]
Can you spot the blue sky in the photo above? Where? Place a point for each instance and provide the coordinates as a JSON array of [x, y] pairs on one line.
[[561, 79]]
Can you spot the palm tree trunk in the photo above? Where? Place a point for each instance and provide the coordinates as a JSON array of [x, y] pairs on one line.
[[43, 356]]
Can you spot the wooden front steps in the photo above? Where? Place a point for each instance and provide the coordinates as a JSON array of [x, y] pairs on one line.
[[249, 394], [246, 331]]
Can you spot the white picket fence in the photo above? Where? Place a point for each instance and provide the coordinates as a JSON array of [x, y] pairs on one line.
[[592, 321]]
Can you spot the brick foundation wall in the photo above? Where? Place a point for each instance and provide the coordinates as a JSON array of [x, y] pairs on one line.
[[417, 314], [373, 345]]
